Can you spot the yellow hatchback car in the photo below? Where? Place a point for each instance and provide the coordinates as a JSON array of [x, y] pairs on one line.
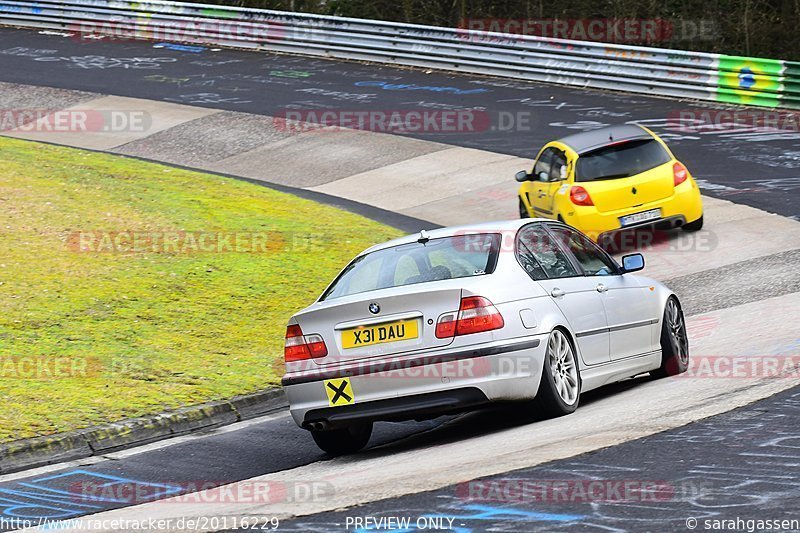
[[610, 179]]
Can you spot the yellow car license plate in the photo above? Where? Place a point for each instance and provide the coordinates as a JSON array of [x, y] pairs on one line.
[[636, 218], [401, 330]]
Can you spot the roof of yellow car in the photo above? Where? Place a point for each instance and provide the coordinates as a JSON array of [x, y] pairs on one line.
[[588, 141]]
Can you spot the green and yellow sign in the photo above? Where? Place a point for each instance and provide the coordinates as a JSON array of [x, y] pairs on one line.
[[749, 81]]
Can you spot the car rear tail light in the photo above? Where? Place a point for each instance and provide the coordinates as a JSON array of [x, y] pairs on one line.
[[446, 326], [680, 173], [476, 315], [299, 347], [579, 196]]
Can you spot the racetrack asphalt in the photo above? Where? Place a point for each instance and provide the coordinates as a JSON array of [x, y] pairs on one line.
[[262, 446], [744, 163], [740, 465]]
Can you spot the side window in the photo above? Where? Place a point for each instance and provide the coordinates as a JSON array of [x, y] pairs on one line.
[[540, 256], [559, 164], [593, 260], [544, 163]]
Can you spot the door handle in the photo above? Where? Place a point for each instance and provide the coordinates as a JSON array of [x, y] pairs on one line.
[[542, 194], [601, 288], [556, 293]]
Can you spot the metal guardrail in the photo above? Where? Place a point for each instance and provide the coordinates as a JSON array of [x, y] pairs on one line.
[[655, 71]]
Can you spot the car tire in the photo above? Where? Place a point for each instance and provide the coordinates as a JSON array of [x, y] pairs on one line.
[[674, 341], [561, 374], [697, 225], [523, 211], [343, 441]]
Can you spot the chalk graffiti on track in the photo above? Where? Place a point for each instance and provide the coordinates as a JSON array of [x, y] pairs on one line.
[[105, 63], [54, 497]]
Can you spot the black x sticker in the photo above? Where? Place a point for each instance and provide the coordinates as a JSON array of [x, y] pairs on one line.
[[339, 392]]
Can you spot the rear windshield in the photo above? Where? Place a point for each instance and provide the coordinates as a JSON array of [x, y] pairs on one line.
[[445, 258], [621, 160]]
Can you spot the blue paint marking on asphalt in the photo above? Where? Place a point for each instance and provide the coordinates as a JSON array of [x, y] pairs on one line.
[[487, 513], [412, 87], [44, 498], [111, 481], [17, 509], [180, 47]]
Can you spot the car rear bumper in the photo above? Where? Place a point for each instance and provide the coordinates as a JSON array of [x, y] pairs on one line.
[[441, 382], [419, 406], [664, 223], [684, 206]]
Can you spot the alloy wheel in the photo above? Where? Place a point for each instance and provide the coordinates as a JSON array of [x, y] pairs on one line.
[[563, 367]]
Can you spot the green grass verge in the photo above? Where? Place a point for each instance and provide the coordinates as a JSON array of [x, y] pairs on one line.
[[147, 331]]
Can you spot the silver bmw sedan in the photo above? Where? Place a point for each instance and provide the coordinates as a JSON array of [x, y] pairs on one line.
[[449, 320]]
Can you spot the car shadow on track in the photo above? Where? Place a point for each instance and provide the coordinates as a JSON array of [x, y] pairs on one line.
[[648, 239], [492, 419]]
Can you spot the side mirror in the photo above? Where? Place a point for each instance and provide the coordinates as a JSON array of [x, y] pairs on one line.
[[632, 263], [522, 175]]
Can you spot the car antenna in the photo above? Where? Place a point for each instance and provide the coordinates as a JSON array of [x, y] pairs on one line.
[[423, 237]]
